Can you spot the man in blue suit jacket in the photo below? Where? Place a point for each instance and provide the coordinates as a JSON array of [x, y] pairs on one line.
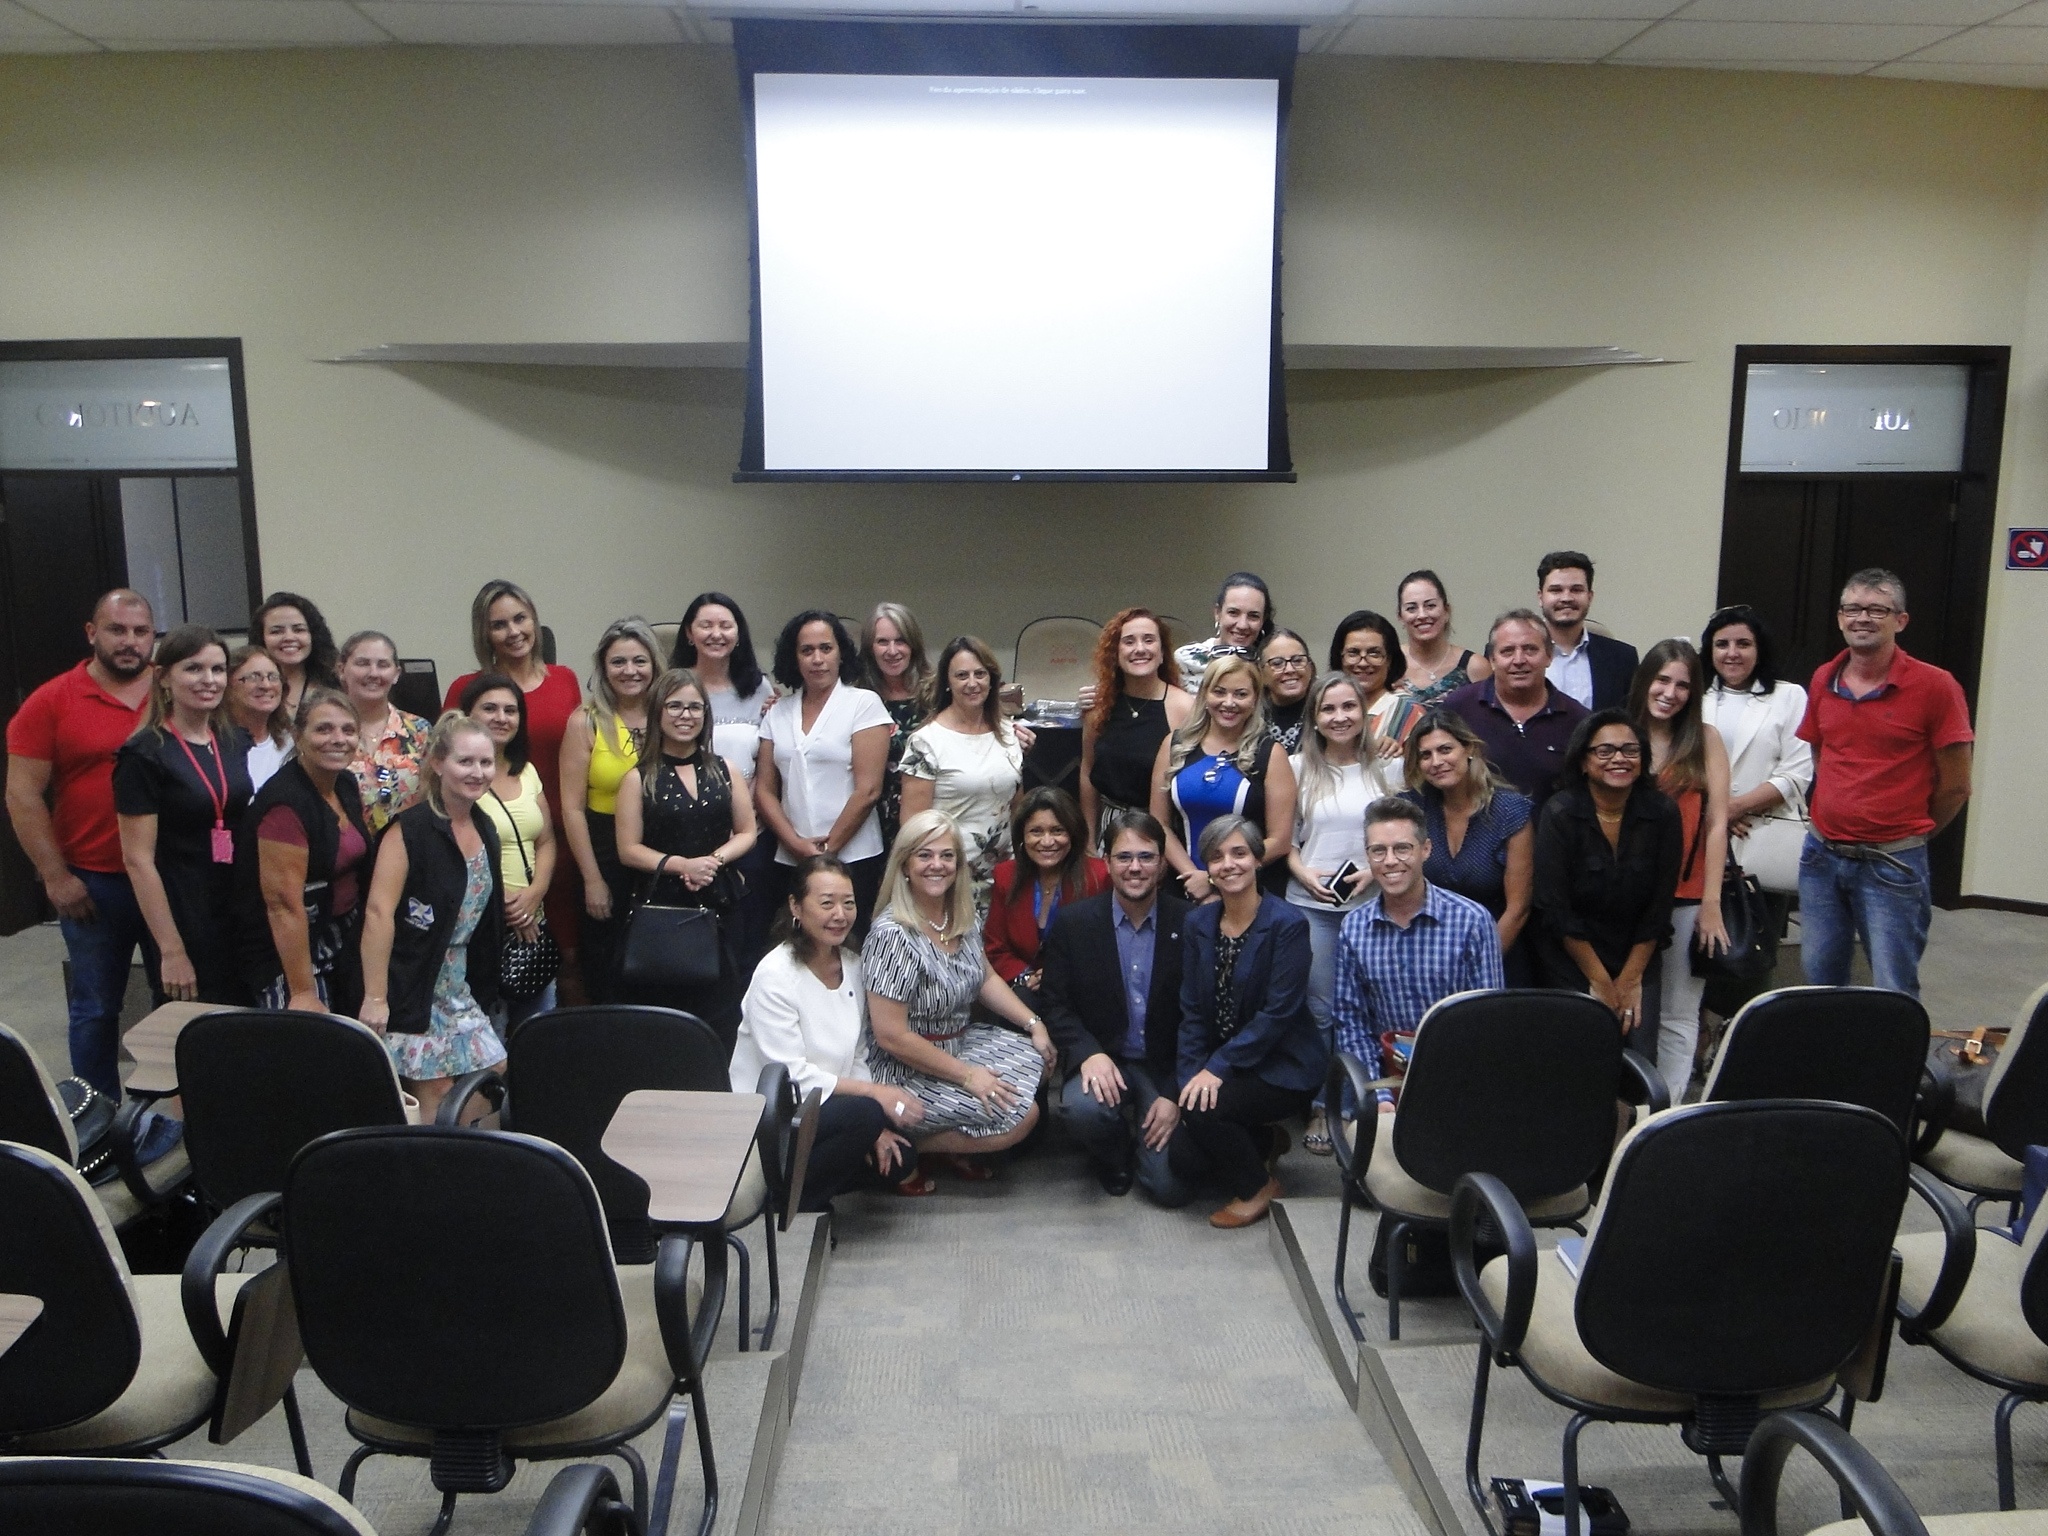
[[1593, 669]]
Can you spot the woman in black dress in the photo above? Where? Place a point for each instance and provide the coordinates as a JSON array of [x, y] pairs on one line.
[[1137, 699], [181, 784], [681, 821]]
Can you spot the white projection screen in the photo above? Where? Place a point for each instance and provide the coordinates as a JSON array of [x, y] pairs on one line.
[[1054, 257]]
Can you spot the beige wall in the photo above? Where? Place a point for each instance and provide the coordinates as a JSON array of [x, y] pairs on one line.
[[312, 203]]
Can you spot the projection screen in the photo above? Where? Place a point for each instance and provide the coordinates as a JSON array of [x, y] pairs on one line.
[[1016, 252]]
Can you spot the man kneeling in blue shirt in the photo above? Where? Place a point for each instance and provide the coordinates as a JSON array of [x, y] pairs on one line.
[[1408, 948]]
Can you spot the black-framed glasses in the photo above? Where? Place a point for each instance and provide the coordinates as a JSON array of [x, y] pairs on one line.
[[1140, 859], [679, 707], [1287, 663], [1866, 610], [1608, 751]]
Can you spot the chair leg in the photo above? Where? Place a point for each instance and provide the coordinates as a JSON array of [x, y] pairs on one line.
[[1727, 1489], [638, 1468], [1473, 1487], [774, 1284], [1343, 1249], [447, 1516], [1573, 1517], [347, 1487], [733, 1242], [665, 1476], [2002, 1439], [1396, 1266], [301, 1458]]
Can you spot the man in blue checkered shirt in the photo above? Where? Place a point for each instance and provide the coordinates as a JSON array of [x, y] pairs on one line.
[[1408, 948]]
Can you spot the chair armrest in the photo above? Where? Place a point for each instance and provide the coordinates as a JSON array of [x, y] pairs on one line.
[[487, 1081], [1960, 1256], [800, 1157], [687, 1340], [1480, 1196], [205, 1264], [583, 1500], [773, 1135], [1642, 1083], [1346, 1070], [1868, 1488], [1932, 1106], [125, 1161]]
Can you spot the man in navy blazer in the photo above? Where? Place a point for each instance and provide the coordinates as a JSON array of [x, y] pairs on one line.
[[1593, 669], [1110, 997]]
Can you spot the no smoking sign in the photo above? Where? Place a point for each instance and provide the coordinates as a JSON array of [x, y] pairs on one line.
[[2026, 549]]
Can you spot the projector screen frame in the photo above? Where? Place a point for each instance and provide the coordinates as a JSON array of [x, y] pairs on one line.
[[1046, 49]]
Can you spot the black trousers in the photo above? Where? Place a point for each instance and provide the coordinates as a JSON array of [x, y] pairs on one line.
[[1230, 1143], [598, 939], [848, 1124]]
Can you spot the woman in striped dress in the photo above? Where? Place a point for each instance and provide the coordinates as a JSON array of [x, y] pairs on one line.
[[925, 967]]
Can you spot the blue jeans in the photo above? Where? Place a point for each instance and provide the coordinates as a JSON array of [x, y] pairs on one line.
[[1325, 928], [101, 953], [1883, 901], [1109, 1134]]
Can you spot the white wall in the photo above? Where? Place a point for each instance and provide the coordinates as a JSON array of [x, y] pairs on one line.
[[315, 202]]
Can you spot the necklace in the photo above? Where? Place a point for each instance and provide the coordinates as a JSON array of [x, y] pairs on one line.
[[1604, 816], [940, 926]]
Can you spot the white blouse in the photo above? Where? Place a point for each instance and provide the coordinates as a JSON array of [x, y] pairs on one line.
[[1760, 731], [1332, 830], [818, 1032], [736, 726], [817, 766]]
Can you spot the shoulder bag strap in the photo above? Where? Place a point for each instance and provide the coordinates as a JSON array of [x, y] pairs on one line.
[[517, 836]]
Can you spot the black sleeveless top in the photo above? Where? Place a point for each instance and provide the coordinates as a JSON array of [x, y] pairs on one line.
[[690, 827], [1125, 749]]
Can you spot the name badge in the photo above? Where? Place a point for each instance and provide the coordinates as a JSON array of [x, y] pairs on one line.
[[223, 846]]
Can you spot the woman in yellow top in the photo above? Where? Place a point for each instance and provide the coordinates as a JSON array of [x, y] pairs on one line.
[[518, 808], [601, 746]]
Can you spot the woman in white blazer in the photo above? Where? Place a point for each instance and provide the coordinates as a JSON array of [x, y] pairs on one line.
[[1770, 768]]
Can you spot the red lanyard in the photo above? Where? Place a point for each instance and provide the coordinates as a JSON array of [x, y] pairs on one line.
[[223, 840]]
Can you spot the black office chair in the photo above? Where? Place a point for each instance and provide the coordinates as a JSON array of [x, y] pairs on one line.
[[1985, 1159], [456, 1290], [547, 645], [1981, 1300], [1855, 1045], [563, 1077], [259, 1085], [33, 1111], [112, 1497], [1879, 1506], [1741, 1262], [418, 689], [1519, 1084], [118, 1364]]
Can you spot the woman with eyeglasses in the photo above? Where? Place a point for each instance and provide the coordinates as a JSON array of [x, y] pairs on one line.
[[1223, 762], [683, 820], [600, 746], [1286, 669], [1135, 702], [391, 746], [1436, 665], [1608, 847], [1245, 616], [1691, 767], [256, 704], [1367, 649]]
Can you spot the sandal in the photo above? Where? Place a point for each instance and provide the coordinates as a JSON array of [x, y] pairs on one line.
[[919, 1183], [1316, 1139]]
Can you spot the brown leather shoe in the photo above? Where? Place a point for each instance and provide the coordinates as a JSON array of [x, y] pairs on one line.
[[1242, 1213]]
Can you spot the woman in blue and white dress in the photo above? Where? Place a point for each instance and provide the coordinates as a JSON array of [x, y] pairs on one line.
[[1223, 762], [925, 968]]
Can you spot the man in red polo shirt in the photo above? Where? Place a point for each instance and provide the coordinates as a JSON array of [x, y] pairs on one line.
[[1891, 767], [60, 797]]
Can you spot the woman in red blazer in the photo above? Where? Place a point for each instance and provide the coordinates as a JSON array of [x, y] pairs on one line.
[[1051, 868]]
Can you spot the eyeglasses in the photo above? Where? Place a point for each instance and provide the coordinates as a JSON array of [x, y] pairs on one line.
[[1373, 655], [677, 707], [1866, 611], [1140, 860], [1607, 751], [1287, 663], [1399, 853], [1229, 650]]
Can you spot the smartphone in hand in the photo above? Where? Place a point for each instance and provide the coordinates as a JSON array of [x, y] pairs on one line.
[[1341, 880]]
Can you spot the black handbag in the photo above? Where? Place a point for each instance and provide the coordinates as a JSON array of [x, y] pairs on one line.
[[1963, 1059], [670, 949], [1752, 952], [525, 967], [92, 1116]]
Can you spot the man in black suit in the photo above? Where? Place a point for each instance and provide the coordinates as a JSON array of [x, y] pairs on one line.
[[1593, 669], [1110, 996]]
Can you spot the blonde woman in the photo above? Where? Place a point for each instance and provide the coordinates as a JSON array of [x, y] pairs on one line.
[[1223, 762], [965, 760], [600, 745], [925, 968], [894, 663], [389, 741]]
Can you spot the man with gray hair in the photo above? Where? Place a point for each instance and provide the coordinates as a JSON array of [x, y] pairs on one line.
[[1524, 718], [1891, 744]]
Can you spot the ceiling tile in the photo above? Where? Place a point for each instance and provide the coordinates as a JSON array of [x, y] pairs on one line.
[[2034, 76], [474, 23], [1458, 38], [1728, 42], [235, 23], [1990, 45], [1939, 13], [18, 26], [2035, 15]]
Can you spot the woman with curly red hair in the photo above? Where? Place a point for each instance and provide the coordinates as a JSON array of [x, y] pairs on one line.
[[1138, 700]]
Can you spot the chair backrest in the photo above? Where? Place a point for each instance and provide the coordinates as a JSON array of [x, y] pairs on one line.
[[56, 1245], [30, 1110], [547, 645], [2016, 1093], [665, 637], [259, 1085], [1520, 1084], [418, 689], [454, 1279], [111, 1496], [1856, 1045], [1055, 657], [568, 1069], [1741, 1248]]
